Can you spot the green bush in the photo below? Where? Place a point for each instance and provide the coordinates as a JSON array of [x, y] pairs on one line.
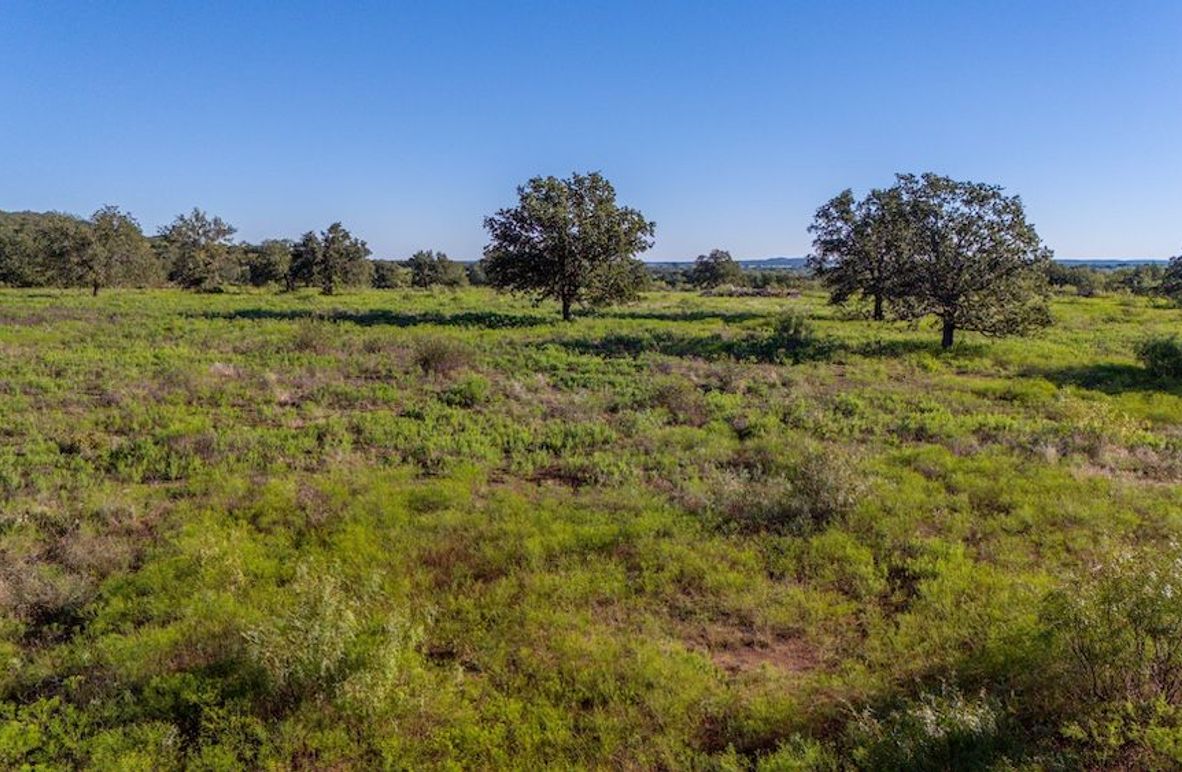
[[1118, 628], [1162, 356], [799, 495], [684, 401], [303, 645], [1119, 665], [793, 338], [941, 730], [441, 356], [468, 392], [314, 336]]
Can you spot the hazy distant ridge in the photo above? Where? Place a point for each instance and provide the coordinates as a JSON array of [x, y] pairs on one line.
[[797, 263]]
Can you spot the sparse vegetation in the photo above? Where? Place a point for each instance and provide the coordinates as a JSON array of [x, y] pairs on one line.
[[402, 528]]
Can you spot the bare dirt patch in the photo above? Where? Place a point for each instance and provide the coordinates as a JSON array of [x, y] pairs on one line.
[[743, 651]]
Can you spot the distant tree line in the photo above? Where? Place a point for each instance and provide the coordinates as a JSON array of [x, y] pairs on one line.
[[928, 246], [56, 249], [197, 251], [718, 270], [1147, 280]]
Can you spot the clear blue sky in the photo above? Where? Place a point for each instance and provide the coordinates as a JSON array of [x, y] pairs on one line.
[[726, 122]]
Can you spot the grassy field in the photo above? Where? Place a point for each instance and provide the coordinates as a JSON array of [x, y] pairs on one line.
[[402, 529]]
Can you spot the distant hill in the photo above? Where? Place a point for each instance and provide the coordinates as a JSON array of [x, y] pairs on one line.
[[764, 264], [1113, 263], [798, 263], [790, 263]]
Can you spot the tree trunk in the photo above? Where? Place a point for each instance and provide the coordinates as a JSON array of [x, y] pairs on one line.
[[94, 291], [878, 307], [949, 329], [566, 309]]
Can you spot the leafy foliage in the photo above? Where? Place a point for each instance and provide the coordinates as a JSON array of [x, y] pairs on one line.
[[118, 253], [978, 264], [305, 256], [197, 247], [387, 274], [340, 258], [861, 247], [1162, 356], [428, 268], [1120, 638], [268, 262], [1171, 281], [714, 270], [569, 241], [931, 246]]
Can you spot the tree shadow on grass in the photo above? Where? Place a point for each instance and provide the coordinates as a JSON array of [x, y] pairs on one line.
[[1110, 378], [687, 315], [754, 347], [748, 348], [383, 317], [897, 349]]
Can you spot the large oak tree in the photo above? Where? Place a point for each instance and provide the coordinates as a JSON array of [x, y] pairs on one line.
[[975, 262], [568, 240]]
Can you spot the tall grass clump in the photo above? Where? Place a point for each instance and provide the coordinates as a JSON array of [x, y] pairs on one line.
[[303, 645], [441, 356], [804, 493]]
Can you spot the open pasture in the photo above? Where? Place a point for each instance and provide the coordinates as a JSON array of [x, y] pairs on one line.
[[413, 528]]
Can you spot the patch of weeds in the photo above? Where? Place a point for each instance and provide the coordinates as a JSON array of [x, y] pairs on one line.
[[468, 392], [441, 356]]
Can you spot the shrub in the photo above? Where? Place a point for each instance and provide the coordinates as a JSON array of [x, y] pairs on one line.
[[940, 730], [469, 392], [303, 647], [313, 336], [1162, 356], [390, 275], [441, 356], [684, 401], [813, 490], [1117, 661], [794, 338], [798, 754], [1119, 629]]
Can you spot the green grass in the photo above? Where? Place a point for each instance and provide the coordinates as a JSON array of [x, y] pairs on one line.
[[402, 529]]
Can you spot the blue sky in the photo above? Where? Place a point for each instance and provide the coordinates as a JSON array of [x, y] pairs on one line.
[[726, 122]]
